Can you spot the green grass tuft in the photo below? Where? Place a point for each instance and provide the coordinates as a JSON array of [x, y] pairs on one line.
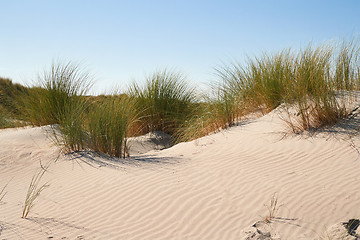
[[57, 97], [164, 103], [317, 81], [109, 122], [60, 100]]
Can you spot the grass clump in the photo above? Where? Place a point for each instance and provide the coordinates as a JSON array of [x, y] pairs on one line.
[[12, 97], [59, 100], [109, 123], [270, 78], [164, 103], [312, 90], [273, 208], [318, 82], [325, 79], [260, 85], [73, 135], [210, 115], [58, 95], [347, 67], [4, 122], [79, 122]]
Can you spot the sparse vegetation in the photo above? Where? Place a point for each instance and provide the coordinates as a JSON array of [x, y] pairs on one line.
[[34, 190], [273, 208], [317, 83], [315, 86]]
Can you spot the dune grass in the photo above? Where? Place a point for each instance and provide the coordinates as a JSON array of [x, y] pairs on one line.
[[317, 82], [164, 103], [262, 84], [314, 85], [109, 122], [77, 123], [4, 123], [325, 79], [73, 134], [12, 96], [212, 114], [58, 94], [59, 100]]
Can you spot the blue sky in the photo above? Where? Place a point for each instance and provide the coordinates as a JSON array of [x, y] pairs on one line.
[[123, 41]]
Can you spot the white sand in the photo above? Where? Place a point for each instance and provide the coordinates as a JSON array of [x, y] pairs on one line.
[[213, 188]]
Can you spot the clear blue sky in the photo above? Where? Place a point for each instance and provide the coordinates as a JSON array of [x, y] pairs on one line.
[[122, 41]]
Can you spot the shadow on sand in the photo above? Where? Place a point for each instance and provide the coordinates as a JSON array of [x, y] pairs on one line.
[[98, 160]]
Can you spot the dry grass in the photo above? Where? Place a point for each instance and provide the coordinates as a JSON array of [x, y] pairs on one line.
[[2, 193], [272, 208], [317, 81], [34, 190]]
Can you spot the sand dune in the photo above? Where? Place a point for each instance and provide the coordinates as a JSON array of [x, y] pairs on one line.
[[216, 187]]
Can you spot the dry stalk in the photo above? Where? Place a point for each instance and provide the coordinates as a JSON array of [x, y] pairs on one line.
[[273, 208], [34, 190], [2, 193]]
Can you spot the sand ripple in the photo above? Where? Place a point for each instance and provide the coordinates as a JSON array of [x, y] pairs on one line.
[[211, 188]]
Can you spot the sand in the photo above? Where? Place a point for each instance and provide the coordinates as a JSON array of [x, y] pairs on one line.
[[216, 187]]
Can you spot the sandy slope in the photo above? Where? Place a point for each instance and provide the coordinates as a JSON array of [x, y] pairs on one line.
[[212, 188]]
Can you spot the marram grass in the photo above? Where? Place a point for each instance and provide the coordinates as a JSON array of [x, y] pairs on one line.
[[59, 100], [108, 124], [317, 82], [165, 102], [58, 94]]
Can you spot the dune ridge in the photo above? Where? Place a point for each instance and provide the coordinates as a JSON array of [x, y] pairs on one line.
[[215, 187]]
